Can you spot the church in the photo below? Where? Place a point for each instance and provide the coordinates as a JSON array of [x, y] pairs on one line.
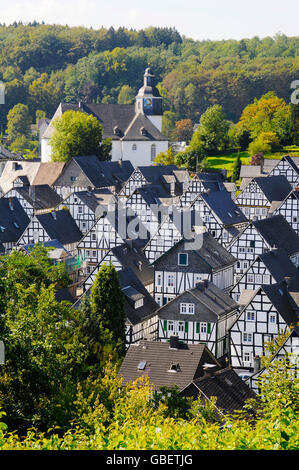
[[135, 129]]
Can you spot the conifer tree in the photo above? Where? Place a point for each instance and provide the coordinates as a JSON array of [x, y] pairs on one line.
[[107, 303]]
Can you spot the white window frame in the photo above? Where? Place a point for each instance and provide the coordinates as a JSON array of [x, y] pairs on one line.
[[247, 337]]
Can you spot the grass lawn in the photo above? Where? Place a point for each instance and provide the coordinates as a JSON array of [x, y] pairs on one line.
[[226, 162]]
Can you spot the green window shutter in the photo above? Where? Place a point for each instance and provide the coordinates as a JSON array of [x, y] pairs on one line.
[[186, 327], [165, 325], [197, 327], [209, 328], [252, 243]]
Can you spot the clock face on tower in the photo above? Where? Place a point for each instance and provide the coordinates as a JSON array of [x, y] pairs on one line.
[[147, 102]]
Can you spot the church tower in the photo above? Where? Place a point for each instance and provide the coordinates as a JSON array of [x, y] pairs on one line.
[[149, 100]]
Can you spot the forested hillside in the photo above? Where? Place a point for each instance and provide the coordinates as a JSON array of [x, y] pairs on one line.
[[42, 65]]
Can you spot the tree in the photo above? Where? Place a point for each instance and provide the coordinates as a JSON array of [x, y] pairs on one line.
[[165, 158], [237, 168], [77, 133], [18, 122], [268, 114], [295, 124], [126, 95], [264, 143], [107, 304], [183, 130], [213, 130], [44, 95]]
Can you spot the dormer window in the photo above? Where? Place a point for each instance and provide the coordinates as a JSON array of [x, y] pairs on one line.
[[174, 367], [116, 130], [16, 225], [143, 131], [183, 259], [139, 303]]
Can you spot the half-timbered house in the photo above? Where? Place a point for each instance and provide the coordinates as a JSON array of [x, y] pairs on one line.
[[170, 177], [260, 236], [127, 255], [35, 199], [200, 183], [55, 225], [289, 209], [268, 268], [180, 269], [178, 224], [259, 194], [82, 173], [86, 207], [150, 204], [13, 222], [271, 310], [220, 214], [289, 351], [110, 230], [203, 314], [288, 168]]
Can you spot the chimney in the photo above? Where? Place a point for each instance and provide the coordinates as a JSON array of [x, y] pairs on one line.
[[174, 342], [256, 364], [120, 162]]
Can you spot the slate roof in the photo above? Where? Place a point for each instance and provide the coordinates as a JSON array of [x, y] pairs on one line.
[[277, 232], [111, 116], [224, 208], [224, 384], [159, 357], [7, 155], [280, 296], [279, 264], [9, 232], [102, 173], [209, 258], [60, 225], [130, 255], [134, 290], [56, 251], [142, 122], [96, 197], [210, 303], [40, 197], [275, 188]]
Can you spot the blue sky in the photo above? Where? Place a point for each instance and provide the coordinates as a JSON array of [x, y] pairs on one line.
[[214, 19]]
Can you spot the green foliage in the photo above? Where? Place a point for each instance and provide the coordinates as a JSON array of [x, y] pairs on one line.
[[165, 158], [237, 168], [266, 142], [107, 305], [18, 122], [77, 133]]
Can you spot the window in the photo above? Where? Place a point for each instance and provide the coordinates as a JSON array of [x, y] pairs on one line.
[[141, 365], [272, 318], [93, 237], [203, 328], [139, 303], [247, 337], [251, 278], [153, 152], [250, 316], [170, 325], [159, 280], [181, 326], [73, 178], [187, 308], [170, 280], [183, 259], [246, 357], [252, 243], [134, 147], [80, 209], [94, 254]]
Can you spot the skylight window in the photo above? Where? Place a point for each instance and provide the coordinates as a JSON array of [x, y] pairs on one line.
[[141, 365], [16, 224]]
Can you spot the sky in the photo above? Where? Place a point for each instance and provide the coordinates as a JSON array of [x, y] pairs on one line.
[[196, 19]]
